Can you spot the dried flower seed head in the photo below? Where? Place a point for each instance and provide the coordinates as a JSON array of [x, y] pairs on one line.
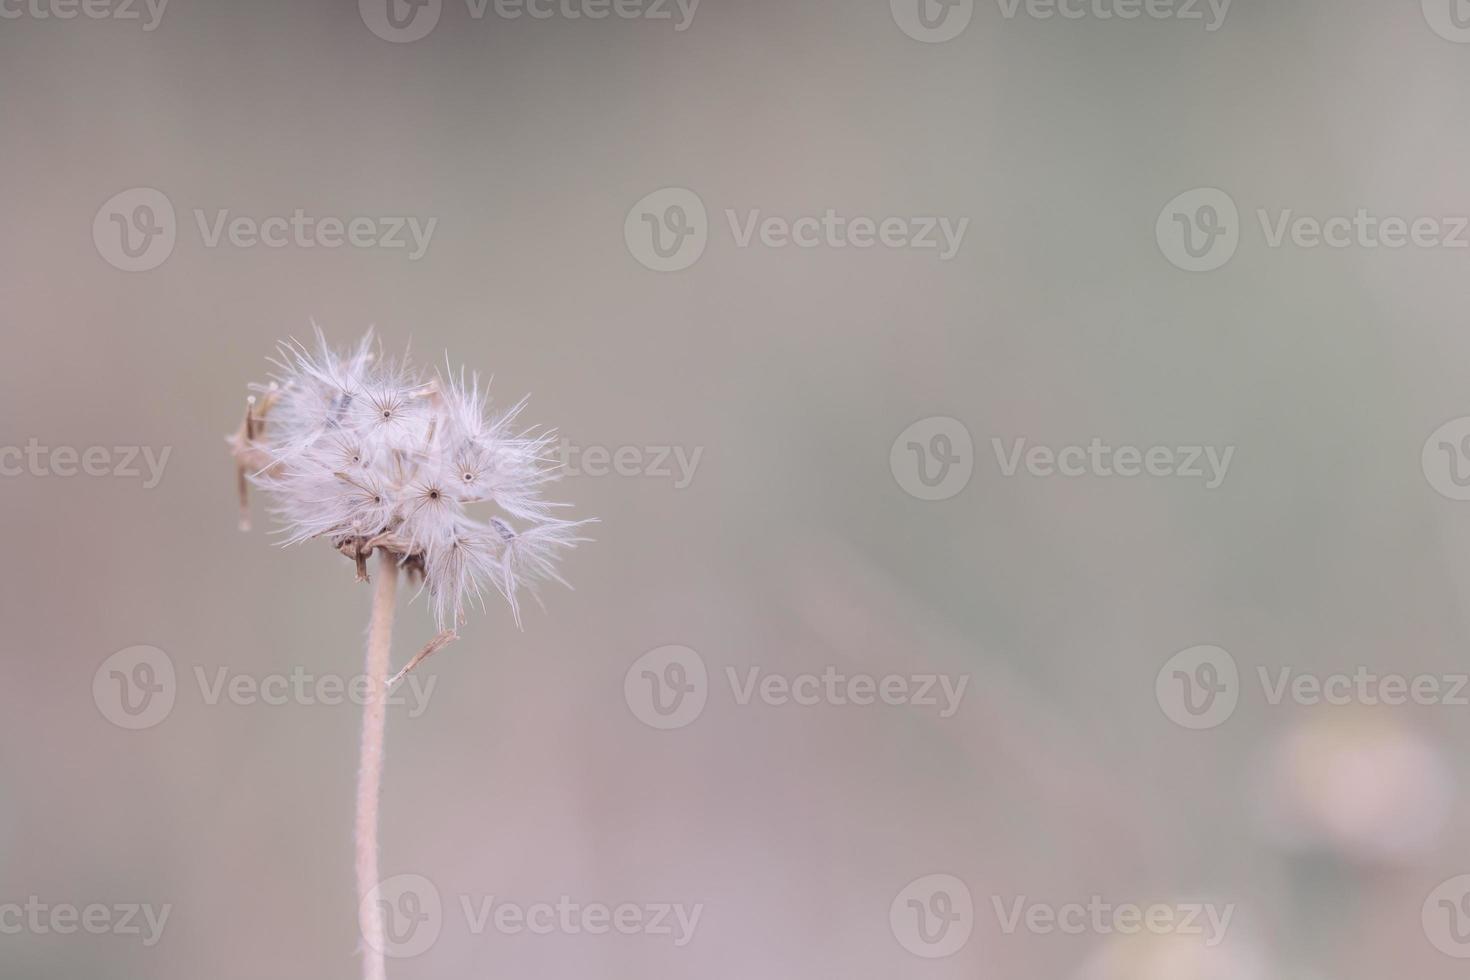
[[368, 453]]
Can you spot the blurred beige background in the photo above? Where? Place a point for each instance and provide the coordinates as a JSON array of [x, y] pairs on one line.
[[794, 547]]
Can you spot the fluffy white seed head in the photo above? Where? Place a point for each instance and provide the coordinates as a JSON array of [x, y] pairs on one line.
[[369, 452]]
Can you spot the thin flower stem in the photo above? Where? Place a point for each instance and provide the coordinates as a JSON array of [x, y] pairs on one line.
[[370, 774]]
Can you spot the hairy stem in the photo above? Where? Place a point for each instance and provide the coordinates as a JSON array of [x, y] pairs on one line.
[[370, 773]]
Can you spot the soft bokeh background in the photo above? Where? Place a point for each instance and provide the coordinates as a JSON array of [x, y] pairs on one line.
[[794, 548]]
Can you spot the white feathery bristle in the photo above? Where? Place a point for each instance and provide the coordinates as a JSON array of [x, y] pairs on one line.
[[361, 446]]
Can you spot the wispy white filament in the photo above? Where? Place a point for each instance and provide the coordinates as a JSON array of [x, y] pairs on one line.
[[358, 447]]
